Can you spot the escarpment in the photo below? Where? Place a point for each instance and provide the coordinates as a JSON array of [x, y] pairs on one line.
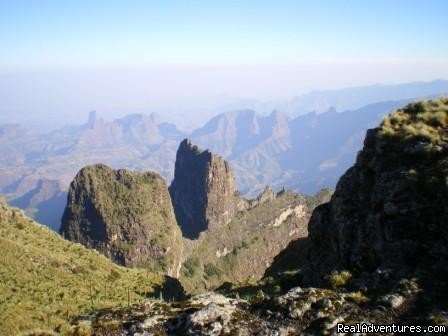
[[203, 191], [388, 211], [126, 216]]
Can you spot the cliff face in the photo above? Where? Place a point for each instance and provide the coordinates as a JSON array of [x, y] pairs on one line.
[[125, 215], [388, 210], [203, 190]]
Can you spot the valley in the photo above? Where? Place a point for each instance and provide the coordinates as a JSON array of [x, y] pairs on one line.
[[278, 264]]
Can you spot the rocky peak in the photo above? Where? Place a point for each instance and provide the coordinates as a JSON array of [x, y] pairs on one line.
[[92, 119], [203, 190], [125, 215], [388, 209]]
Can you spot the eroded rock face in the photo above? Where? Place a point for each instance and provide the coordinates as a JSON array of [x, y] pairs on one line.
[[126, 216], [388, 209], [203, 190]]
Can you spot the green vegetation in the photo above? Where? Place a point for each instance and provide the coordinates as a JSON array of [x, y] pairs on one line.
[[422, 121], [357, 297], [46, 281], [339, 278]]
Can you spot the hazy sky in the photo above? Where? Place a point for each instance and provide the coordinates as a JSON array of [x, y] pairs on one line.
[[60, 59]]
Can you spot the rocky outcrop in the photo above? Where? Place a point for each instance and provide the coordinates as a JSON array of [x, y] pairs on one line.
[[125, 215], [300, 311], [388, 212], [203, 190]]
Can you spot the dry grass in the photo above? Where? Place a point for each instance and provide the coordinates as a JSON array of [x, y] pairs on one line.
[[423, 120], [45, 280]]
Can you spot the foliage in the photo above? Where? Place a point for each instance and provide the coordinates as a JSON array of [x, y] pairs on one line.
[[339, 278]]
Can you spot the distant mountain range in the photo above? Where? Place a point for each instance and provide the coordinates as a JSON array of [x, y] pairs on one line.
[[356, 97], [303, 153]]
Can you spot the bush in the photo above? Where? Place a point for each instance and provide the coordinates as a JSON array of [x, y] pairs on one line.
[[211, 270], [339, 278], [190, 267]]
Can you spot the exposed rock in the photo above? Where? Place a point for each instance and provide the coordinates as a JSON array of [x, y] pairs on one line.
[[301, 311], [125, 215], [265, 196], [391, 300], [203, 190], [387, 210]]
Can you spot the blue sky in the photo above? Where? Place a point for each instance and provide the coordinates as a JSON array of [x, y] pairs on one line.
[[60, 59], [140, 33]]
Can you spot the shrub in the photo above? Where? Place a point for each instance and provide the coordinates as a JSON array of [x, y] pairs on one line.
[[190, 267], [211, 270], [339, 278]]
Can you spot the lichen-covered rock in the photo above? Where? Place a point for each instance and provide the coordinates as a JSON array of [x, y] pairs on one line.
[[301, 311], [125, 215], [203, 190]]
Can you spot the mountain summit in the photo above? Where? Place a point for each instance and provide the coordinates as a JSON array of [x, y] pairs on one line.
[[203, 191]]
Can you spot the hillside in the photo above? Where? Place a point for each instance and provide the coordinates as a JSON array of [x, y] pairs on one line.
[[244, 248], [46, 280]]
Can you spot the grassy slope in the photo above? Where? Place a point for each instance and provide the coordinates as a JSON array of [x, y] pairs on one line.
[[45, 280]]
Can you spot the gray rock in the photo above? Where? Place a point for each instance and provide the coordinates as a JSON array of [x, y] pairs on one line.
[[392, 300]]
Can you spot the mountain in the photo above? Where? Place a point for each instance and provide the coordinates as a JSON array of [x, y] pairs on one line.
[[45, 202], [47, 281], [127, 216], [387, 211], [223, 230], [355, 97], [304, 153], [375, 259], [203, 190], [29, 160]]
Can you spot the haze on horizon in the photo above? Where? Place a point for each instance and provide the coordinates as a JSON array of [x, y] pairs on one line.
[[188, 60]]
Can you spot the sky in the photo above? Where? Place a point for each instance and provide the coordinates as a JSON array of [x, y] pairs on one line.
[[60, 59]]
